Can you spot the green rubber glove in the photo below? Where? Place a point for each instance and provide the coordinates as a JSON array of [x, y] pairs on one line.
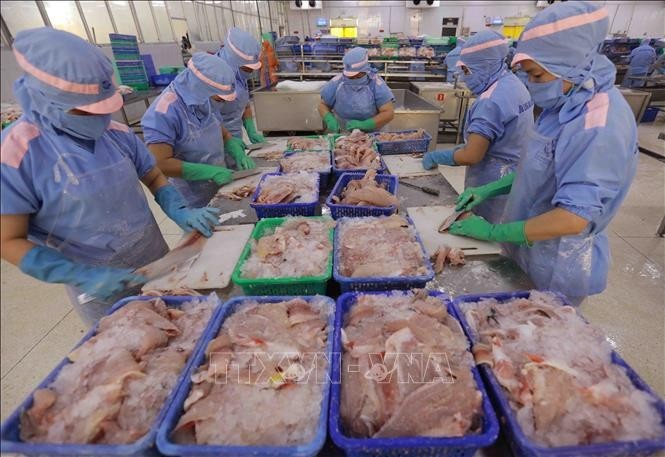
[[474, 196], [367, 125], [331, 123], [236, 149], [478, 228], [204, 172], [254, 136]]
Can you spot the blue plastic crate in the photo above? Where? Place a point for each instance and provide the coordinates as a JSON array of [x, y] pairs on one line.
[[337, 172], [519, 442], [348, 284], [10, 440], [464, 446], [402, 146], [282, 209], [324, 177], [162, 80], [167, 447], [338, 210]]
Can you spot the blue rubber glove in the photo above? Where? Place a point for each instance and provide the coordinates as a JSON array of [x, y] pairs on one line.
[[175, 207], [49, 265], [434, 158]]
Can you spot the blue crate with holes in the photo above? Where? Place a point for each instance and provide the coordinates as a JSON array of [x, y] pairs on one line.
[[10, 433], [379, 283], [168, 447], [402, 146], [523, 445], [462, 446], [264, 210], [324, 176], [339, 210]]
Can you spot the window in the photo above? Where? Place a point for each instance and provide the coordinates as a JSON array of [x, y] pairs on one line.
[[175, 8], [228, 18], [221, 23], [65, 16], [163, 22], [212, 22], [201, 18], [192, 22], [146, 22], [20, 15], [123, 18], [99, 22]]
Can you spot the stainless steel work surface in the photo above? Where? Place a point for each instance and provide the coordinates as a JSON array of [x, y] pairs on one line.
[[287, 110], [413, 112]]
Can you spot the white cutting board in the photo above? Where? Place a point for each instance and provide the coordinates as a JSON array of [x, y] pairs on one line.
[[428, 219], [246, 181], [277, 144], [213, 267], [405, 165], [454, 176]]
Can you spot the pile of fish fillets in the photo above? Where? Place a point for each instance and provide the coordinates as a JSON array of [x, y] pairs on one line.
[[380, 247], [308, 144], [318, 161], [356, 151], [264, 377], [299, 247], [399, 136], [406, 370], [301, 187], [118, 380], [366, 192], [558, 373]]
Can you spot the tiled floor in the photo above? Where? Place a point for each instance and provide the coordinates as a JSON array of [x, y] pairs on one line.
[[38, 326]]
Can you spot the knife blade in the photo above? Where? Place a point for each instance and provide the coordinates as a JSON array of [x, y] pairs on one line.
[[246, 173], [427, 190], [447, 222], [254, 146]]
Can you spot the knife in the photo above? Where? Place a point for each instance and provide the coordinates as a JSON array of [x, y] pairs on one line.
[[254, 146], [246, 173], [427, 190], [447, 222]]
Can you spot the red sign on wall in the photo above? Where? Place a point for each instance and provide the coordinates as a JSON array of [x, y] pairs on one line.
[[440, 97]]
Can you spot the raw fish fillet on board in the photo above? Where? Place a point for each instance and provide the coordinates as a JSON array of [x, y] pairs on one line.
[[413, 370], [118, 380], [263, 380], [557, 371]]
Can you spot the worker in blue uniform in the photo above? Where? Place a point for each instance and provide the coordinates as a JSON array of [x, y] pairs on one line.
[[357, 98], [451, 60], [579, 163], [498, 121], [241, 52], [73, 209], [185, 134], [640, 63]]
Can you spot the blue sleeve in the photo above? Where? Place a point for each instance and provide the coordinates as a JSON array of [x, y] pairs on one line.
[[17, 195], [328, 92], [486, 119], [382, 93], [160, 127], [143, 160], [590, 168]]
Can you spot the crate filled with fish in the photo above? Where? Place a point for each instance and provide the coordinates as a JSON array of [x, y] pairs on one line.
[[259, 385], [379, 253], [309, 161], [403, 142], [556, 382], [286, 194], [287, 256], [308, 143], [358, 195], [409, 385], [356, 152], [110, 393]]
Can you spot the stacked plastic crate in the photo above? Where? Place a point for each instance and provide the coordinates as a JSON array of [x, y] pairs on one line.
[[131, 68]]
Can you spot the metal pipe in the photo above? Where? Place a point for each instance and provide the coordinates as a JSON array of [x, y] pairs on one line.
[[108, 8], [139, 33], [44, 14], [91, 38]]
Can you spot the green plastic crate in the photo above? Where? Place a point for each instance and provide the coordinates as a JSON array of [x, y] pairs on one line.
[[305, 285], [171, 70]]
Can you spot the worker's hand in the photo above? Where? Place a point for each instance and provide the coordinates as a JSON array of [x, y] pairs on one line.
[[205, 172], [236, 149], [367, 125], [201, 219], [49, 265], [434, 158], [254, 136], [478, 228], [331, 123], [474, 196]]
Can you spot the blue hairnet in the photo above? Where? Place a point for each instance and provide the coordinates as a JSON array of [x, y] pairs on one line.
[[66, 70], [484, 54], [206, 75], [565, 39], [240, 50], [355, 61]]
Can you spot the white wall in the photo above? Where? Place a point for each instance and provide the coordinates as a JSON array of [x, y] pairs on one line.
[[636, 18]]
